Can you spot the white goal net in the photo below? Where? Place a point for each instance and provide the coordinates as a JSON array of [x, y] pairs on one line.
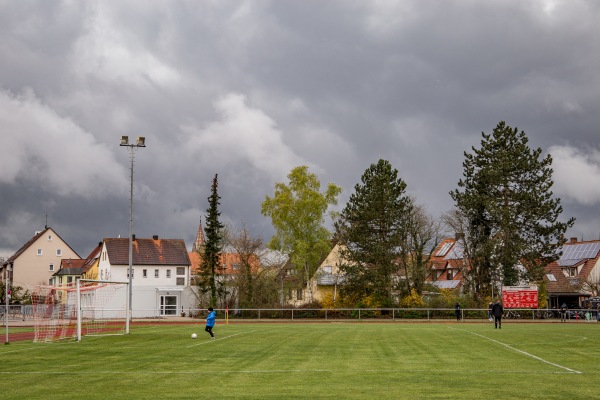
[[85, 308]]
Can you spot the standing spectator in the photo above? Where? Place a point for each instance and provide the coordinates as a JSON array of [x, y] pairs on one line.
[[490, 316], [598, 312], [563, 312], [498, 313], [457, 311]]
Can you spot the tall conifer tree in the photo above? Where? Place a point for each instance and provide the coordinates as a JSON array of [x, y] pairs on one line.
[[511, 215], [210, 266], [371, 228]]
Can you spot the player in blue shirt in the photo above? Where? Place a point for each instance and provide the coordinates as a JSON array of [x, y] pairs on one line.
[[210, 322]]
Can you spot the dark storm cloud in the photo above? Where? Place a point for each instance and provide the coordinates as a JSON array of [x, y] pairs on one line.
[[251, 89]]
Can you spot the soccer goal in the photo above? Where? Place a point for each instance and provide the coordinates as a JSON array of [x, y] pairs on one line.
[[86, 308]]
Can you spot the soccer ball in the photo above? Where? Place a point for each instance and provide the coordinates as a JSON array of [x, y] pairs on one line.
[[194, 336]]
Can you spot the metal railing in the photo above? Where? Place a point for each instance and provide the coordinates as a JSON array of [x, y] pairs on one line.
[[25, 312], [393, 314]]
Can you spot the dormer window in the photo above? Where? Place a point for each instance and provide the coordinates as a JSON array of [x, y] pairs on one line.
[[570, 272]]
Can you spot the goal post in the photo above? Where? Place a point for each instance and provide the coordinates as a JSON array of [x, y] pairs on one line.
[[83, 308], [102, 308]]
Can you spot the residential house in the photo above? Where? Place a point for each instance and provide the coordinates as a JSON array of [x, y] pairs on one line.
[[571, 278], [160, 274], [37, 260], [69, 271], [446, 263], [90, 267], [326, 281]]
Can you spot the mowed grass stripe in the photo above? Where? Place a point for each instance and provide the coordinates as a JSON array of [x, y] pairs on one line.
[[322, 360]]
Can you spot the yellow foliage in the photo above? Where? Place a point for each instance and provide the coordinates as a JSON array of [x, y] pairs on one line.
[[414, 300]]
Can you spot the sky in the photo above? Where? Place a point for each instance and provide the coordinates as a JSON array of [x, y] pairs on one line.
[[249, 90]]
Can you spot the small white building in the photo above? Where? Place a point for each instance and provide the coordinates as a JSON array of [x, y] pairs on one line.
[[160, 278]]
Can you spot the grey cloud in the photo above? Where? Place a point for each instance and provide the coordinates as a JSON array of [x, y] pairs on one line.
[[250, 89]]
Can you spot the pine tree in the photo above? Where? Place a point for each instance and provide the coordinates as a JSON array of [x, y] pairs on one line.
[[511, 215], [210, 265], [371, 229]]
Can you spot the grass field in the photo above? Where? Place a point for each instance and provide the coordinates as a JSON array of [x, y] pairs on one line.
[[313, 360]]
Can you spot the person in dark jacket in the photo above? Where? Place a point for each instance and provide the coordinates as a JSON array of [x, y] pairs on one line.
[[498, 313], [210, 322], [563, 312], [457, 311]]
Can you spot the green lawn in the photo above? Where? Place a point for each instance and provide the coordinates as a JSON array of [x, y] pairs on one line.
[[318, 360]]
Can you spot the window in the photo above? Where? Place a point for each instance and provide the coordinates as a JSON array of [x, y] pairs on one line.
[[298, 294], [49, 238], [58, 252], [450, 274], [60, 280], [180, 281], [572, 272], [144, 273], [102, 275], [39, 252], [180, 270], [132, 273], [69, 279], [327, 269], [156, 273], [235, 267], [51, 267], [444, 249], [168, 273]]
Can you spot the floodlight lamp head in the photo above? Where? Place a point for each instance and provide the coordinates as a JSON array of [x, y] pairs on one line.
[[141, 141], [124, 140]]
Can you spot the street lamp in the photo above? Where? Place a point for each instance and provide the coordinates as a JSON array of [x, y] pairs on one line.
[[141, 142]]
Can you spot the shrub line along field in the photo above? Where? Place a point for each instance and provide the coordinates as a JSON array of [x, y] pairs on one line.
[[334, 359]]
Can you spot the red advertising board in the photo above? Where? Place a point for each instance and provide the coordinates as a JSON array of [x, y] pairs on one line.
[[519, 297]]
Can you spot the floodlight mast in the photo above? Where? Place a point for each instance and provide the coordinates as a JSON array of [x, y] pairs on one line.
[[9, 268], [141, 142]]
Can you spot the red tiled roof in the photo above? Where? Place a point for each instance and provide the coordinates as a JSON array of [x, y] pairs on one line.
[[570, 285], [32, 241], [91, 259], [26, 246], [229, 259], [147, 251], [70, 263]]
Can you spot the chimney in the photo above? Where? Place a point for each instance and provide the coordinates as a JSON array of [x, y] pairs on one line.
[[573, 240], [132, 237], [155, 237], [458, 236]]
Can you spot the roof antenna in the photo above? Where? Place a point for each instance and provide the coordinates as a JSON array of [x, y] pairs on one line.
[[46, 226]]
